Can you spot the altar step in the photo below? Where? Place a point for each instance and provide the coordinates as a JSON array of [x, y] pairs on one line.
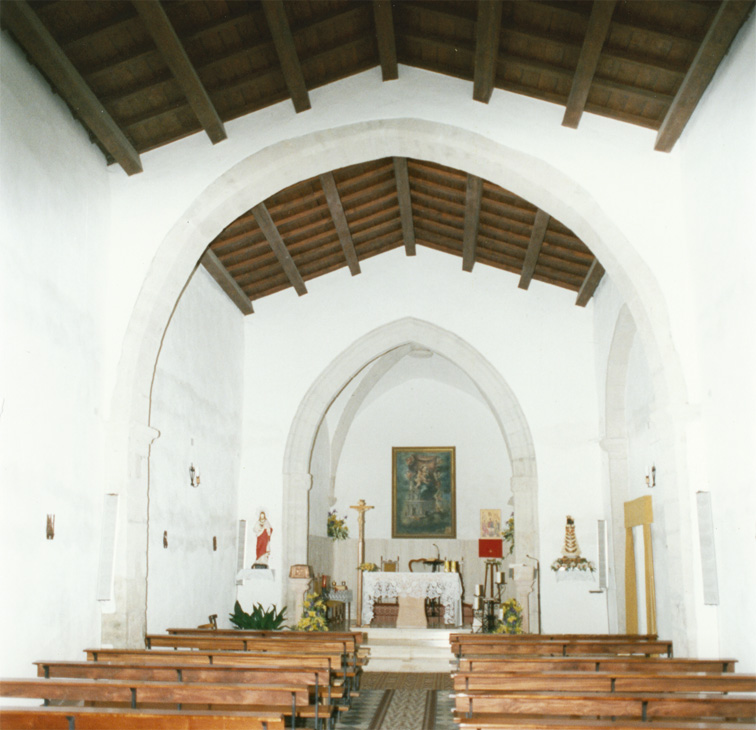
[[409, 650]]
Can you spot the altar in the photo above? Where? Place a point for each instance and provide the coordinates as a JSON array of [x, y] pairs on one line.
[[412, 589]]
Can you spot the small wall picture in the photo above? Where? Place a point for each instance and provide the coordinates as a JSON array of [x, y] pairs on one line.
[[423, 492], [490, 523]]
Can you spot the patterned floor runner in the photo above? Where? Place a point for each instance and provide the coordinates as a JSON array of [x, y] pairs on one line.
[[399, 709]]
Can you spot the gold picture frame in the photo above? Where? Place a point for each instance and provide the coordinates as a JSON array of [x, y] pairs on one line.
[[423, 494]]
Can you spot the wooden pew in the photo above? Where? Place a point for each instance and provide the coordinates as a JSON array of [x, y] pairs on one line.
[[327, 661], [336, 648], [319, 678], [359, 637], [564, 647], [99, 718], [640, 706], [604, 682], [467, 637], [515, 722], [290, 700], [596, 664]]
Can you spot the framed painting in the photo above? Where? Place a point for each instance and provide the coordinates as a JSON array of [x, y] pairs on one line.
[[423, 495], [490, 523]]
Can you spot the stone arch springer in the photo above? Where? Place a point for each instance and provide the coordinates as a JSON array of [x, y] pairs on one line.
[[281, 164]]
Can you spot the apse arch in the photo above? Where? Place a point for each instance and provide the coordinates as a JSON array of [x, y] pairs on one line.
[[407, 333], [284, 163]]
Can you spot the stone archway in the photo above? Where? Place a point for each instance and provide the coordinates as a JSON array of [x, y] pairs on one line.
[[289, 161], [494, 389]]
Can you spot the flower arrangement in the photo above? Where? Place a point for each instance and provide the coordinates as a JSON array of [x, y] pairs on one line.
[[313, 614], [511, 622], [509, 534], [337, 528], [367, 567]]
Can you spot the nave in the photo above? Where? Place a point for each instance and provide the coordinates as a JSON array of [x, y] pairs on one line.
[[196, 679]]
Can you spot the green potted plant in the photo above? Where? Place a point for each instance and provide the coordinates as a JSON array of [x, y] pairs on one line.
[[260, 619]]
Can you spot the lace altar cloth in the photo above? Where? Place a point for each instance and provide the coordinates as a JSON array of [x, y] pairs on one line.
[[445, 586]]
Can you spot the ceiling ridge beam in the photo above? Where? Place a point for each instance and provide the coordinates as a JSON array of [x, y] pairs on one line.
[[226, 282], [275, 14], [487, 35], [401, 172], [384, 31], [591, 281], [37, 41], [472, 220], [724, 27], [268, 227], [172, 50], [595, 36], [340, 221], [537, 236]]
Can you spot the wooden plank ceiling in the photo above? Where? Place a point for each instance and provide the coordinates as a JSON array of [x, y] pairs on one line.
[[342, 218], [139, 74]]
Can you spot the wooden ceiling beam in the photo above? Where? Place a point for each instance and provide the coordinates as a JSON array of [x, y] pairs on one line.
[[591, 281], [472, 220], [598, 28], [268, 227], [275, 14], [226, 282], [384, 31], [724, 27], [401, 172], [340, 221], [37, 41], [487, 34], [174, 54], [537, 235]]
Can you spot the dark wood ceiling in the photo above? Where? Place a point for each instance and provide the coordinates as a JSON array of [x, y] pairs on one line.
[[140, 74], [344, 217]]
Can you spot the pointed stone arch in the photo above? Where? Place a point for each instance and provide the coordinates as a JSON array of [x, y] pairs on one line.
[[291, 160], [407, 333]]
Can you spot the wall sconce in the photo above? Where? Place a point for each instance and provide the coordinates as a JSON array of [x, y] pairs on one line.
[[651, 478], [50, 527], [194, 477]]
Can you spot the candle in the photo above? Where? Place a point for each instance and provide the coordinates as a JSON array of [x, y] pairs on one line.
[[476, 603], [478, 589], [499, 577]]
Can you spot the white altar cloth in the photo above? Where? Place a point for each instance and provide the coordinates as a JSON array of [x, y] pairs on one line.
[[445, 586]]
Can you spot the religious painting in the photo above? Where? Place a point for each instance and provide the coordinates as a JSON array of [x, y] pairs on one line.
[[423, 492], [490, 523]]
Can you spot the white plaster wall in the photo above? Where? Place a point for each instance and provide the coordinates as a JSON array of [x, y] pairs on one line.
[[54, 207], [197, 408], [718, 162], [539, 341]]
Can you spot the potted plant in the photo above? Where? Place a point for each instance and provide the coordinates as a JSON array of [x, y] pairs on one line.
[[260, 619]]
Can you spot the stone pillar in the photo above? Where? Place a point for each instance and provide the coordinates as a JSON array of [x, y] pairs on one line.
[[524, 579], [296, 530], [525, 498]]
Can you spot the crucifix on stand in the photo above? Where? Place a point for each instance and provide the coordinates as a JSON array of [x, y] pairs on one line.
[[361, 508]]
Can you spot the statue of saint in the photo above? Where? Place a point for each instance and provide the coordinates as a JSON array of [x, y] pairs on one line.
[[263, 530]]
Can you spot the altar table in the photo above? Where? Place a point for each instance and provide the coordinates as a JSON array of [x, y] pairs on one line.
[[412, 589]]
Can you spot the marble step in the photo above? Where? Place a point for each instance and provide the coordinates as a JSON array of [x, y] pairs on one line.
[[409, 650]]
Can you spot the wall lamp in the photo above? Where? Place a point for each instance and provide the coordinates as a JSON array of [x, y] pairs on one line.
[[651, 478], [194, 477]]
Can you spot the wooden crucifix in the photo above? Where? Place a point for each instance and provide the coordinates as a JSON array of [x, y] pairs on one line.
[[361, 508]]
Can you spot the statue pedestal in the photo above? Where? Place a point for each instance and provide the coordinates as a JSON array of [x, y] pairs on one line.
[[300, 578], [524, 582]]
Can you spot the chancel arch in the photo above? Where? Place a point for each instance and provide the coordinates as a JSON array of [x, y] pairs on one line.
[[281, 164], [378, 351]]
